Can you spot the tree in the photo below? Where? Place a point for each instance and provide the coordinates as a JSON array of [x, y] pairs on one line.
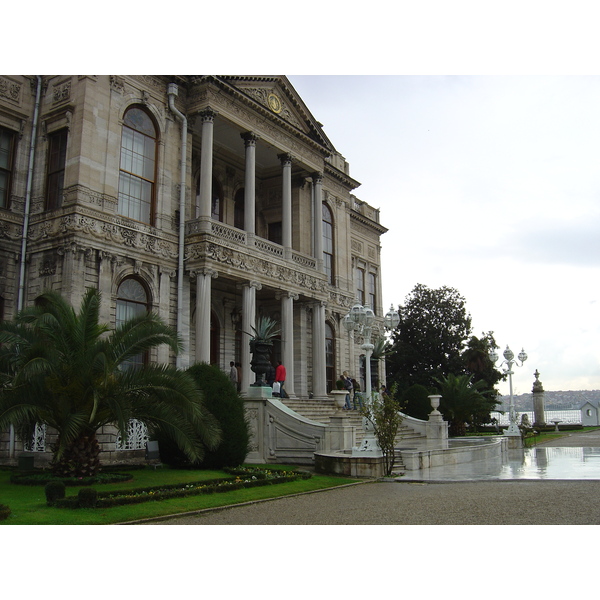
[[416, 402], [477, 361], [463, 401], [67, 370], [430, 338], [382, 410], [224, 402]]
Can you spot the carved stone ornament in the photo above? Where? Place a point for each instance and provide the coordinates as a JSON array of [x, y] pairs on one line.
[[10, 90], [274, 102]]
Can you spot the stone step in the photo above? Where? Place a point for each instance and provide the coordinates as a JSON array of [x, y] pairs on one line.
[[322, 410]]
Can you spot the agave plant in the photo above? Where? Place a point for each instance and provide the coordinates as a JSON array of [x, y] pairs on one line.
[[266, 330]]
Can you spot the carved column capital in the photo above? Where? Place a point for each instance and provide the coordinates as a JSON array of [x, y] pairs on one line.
[[207, 115], [286, 159], [250, 138]]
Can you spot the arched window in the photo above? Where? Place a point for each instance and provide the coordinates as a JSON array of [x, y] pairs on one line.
[[132, 300], [238, 209], [330, 374], [328, 242], [137, 174]]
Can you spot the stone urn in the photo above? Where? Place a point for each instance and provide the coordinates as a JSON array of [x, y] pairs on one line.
[[261, 345], [261, 360], [339, 399]]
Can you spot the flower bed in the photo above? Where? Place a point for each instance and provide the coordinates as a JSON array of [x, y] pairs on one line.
[[240, 478]]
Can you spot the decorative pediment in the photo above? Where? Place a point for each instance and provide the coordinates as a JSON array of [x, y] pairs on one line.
[[276, 94]]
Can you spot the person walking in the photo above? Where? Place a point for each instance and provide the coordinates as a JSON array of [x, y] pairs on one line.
[[348, 387], [280, 374], [357, 397]]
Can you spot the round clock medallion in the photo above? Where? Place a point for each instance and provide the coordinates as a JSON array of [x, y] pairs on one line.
[[274, 103]]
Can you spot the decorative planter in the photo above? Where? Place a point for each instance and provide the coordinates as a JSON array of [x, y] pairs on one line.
[[339, 398], [261, 360]]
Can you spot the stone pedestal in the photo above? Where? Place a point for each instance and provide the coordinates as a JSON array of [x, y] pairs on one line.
[[436, 429], [259, 391], [539, 417], [514, 442], [340, 435]]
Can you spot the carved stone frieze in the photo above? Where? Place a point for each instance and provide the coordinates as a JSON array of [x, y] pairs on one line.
[[254, 265], [100, 229], [10, 90], [61, 91]]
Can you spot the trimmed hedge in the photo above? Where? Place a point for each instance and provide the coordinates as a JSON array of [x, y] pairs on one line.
[[241, 478], [4, 512], [44, 478]]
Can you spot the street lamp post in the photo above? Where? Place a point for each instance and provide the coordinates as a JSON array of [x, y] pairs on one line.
[[361, 319], [509, 361]]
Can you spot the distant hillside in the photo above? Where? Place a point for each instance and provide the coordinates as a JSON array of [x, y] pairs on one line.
[[555, 400]]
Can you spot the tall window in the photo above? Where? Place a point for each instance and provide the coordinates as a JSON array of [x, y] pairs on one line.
[[328, 242], [275, 233], [371, 282], [132, 300], [238, 209], [330, 374], [360, 285], [216, 211], [55, 179], [138, 166], [7, 138]]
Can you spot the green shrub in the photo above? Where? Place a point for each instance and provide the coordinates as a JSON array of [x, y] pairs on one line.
[[87, 498], [225, 404], [416, 402], [54, 490], [4, 512]]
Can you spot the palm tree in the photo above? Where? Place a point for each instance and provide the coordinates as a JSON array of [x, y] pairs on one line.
[[70, 372], [463, 401]]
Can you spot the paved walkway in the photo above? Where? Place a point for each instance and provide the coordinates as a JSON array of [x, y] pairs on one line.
[[478, 502]]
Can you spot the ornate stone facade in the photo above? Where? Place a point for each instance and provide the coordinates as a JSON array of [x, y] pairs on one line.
[[270, 224]]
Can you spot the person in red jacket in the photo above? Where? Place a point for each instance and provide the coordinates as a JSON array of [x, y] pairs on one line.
[[280, 378]]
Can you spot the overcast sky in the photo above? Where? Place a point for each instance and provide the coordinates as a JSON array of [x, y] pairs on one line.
[[490, 185]]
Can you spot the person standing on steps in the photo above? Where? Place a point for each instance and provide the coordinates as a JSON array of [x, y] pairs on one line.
[[280, 378]]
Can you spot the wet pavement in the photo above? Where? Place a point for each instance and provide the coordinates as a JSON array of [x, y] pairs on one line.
[[472, 497]]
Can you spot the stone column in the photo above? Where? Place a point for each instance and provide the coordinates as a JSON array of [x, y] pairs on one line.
[[250, 186], [105, 281], [318, 224], [248, 322], [287, 339], [286, 204], [206, 164], [318, 343], [203, 310], [164, 291], [539, 416]]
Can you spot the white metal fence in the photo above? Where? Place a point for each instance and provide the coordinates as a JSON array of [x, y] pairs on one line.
[[564, 416]]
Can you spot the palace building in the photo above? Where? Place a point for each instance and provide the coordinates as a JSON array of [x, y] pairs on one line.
[[210, 200]]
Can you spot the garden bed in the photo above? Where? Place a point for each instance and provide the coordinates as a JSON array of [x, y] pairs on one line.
[[240, 478]]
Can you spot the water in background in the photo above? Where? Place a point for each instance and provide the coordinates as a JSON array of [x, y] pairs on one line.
[[564, 416]]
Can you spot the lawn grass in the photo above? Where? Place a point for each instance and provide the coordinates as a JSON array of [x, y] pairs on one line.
[[28, 503]]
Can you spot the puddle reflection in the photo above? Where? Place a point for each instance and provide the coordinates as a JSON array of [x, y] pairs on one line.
[[528, 463]]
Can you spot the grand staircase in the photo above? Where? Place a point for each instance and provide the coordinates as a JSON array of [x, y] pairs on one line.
[[322, 410]]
